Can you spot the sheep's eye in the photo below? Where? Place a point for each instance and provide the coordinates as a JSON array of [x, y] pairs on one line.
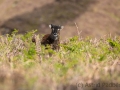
[[53, 29]]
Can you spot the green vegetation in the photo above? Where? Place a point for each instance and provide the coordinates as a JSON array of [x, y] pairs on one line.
[[79, 60]]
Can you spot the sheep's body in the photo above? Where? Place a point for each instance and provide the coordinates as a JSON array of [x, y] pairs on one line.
[[46, 40]]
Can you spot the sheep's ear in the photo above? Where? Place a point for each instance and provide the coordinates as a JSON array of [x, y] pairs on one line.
[[62, 27], [50, 25]]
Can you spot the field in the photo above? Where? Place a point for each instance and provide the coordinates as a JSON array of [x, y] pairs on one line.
[[87, 60], [81, 64]]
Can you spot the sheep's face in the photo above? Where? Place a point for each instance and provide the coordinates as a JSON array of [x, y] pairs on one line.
[[55, 31]]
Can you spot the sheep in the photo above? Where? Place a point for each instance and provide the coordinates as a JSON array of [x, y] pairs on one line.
[[52, 39]]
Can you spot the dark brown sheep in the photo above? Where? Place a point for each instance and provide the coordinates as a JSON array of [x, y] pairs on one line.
[[52, 39]]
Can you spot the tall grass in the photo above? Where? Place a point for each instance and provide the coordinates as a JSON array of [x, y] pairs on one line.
[[81, 64]]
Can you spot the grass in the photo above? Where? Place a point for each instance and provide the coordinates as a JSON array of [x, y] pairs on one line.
[[80, 61]]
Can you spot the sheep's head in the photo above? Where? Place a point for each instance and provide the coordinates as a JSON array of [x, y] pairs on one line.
[[55, 31]]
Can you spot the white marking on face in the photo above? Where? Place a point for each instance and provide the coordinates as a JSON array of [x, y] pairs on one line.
[[55, 35], [50, 26], [62, 27]]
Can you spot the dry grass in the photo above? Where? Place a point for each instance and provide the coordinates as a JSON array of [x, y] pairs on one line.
[[79, 65]]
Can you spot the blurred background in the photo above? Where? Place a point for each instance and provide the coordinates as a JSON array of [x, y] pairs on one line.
[[95, 18]]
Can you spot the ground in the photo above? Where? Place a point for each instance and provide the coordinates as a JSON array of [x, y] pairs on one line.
[[94, 18]]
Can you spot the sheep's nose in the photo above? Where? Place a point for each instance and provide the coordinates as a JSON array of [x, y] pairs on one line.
[[55, 34]]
